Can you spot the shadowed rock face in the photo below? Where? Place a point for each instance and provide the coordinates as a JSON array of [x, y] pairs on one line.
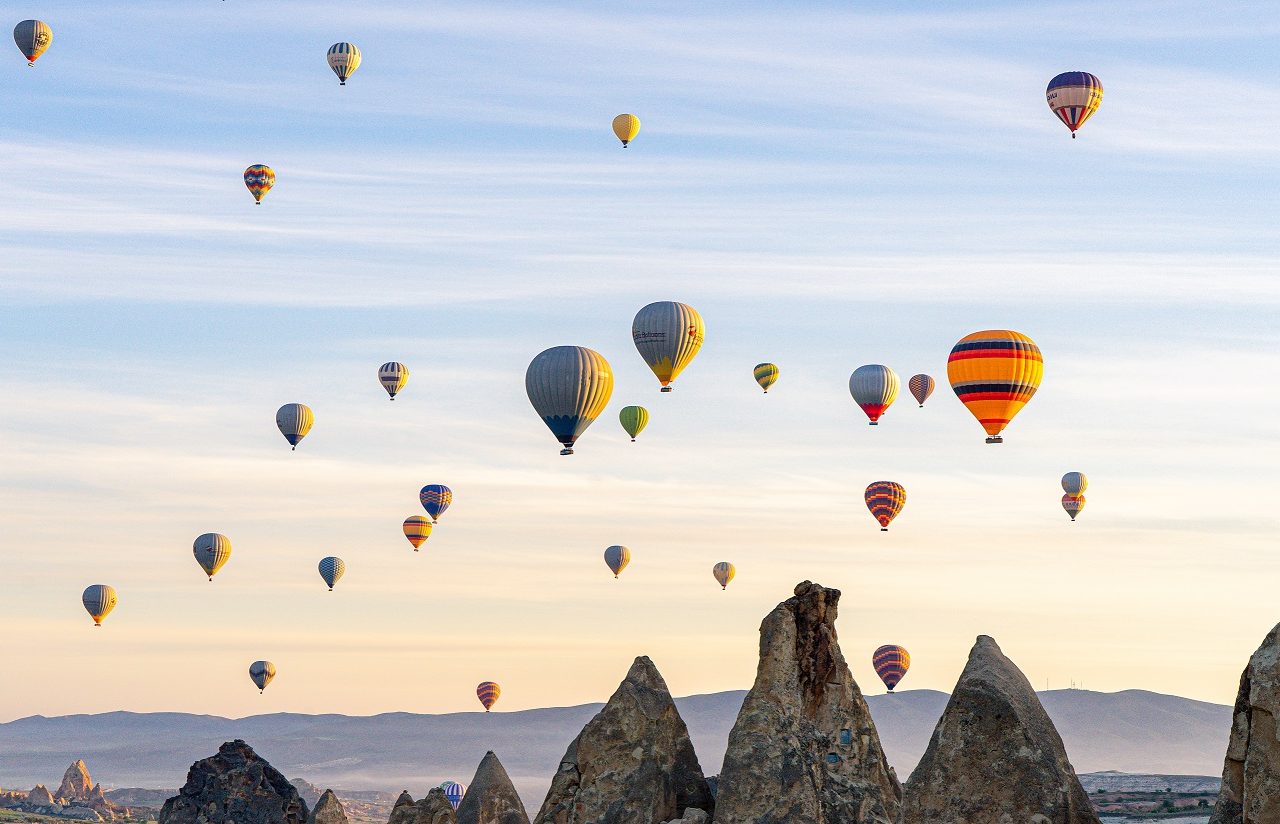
[[434, 809], [995, 756], [403, 812], [631, 764], [235, 787], [804, 747], [40, 796], [491, 797], [328, 810], [76, 783], [1251, 770]]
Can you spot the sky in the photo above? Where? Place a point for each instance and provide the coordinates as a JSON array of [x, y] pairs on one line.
[[829, 186]]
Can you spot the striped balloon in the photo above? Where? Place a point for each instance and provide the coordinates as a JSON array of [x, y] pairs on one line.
[[32, 37], [212, 550], [723, 572], [633, 419], [569, 386], [1073, 504], [617, 557], [1074, 97], [417, 529], [332, 569], [454, 792], [995, 373], [1075, 483], [344, 59], [259, 179], [294, 421], [393, 376], [891, 662], [766, 374], [668, 335], [874, 387], [885, 499], [261, 673], [488, 692], [921, 387], [98, 601], [626, 127], [435, 499]]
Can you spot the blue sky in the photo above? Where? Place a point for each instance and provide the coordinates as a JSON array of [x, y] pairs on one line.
[[828, 187]]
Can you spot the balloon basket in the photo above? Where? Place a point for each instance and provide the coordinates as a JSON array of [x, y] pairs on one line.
[[665, 389], [996, 439], [566, 451]]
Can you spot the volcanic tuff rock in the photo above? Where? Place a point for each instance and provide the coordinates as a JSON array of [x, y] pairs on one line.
[[804, 747], [692, 816], [236, 786], [1251, 771], [40, 796], [328, 810], [491, 798], [76, 783], [995, 756], [434, 809], [631, 764], [310, 792], [403, 812]]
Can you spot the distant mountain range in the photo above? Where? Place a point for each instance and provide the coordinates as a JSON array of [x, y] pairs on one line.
[[1131, 731]]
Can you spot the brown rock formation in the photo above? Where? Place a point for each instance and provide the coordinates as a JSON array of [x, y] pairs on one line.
[[434, 809], [631, 764], [1251, 771], [76, 783], [328, 810], [995, 756], [236, 786], [491, 797], [40, 796], [804, 747], [403, 812]]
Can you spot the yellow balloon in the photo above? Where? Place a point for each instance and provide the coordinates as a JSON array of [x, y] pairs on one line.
[[668, 336], [626, 127]]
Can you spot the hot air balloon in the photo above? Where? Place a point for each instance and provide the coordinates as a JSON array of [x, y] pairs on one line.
[[723, 573], [921, 387], [259, 179], [1073, 504], [261, 673], [891, 663], [332, 569], [417, 529], [885, 499], [212, 550], [344, 59], [994, 373], [617, 557], [393, 376], [874, 388], [1075, 483], [435, 499], [98, 601], [488, 692], [569, 386], [633, 419], [294, 421], [626, 127], [34, 36], [667, 335], [1074, 97], [454, 792], [766, 375]]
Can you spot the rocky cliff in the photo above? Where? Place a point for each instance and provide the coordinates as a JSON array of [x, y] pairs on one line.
[[236, 786], [1251, 771], [491, 797], [76, 783]]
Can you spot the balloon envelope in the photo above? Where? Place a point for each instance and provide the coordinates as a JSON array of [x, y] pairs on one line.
[[454, 792], [488, 692], [1075, 483], [995, 373], [874, 387], [569, 386], [261, 673], [393, 376], [417, 529], [723, 573], [294, 421], [617, 557], [332, 569], [1073, 504], [1074, 97], [667, 335], [98, 601], [259, 179], [885, 499], [32, 37], [766, 374], [626, 127], [212, 551], [921, 387], [435, 499], [891, 662], [344, 59], [633, 419]]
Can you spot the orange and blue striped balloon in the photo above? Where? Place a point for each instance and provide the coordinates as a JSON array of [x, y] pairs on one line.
[[891, 663], [259, 179], [995, 373], [435, 500], [885, 499], [417, 529], [488, 692]]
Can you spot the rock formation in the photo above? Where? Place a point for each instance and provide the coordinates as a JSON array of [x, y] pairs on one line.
[[310, 792], [691, 816], [328, 810], [1251, 771], [631, 764], [804, 747], [995, 756], [403, 812], [40, 796], [491, 797], [76, 783], [434, 809], [236, 786]]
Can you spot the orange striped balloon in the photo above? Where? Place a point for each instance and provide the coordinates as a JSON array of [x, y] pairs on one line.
[[417, 529], [885, 499], [994, 374], [921, 387], [891, 662], [488, 693]]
